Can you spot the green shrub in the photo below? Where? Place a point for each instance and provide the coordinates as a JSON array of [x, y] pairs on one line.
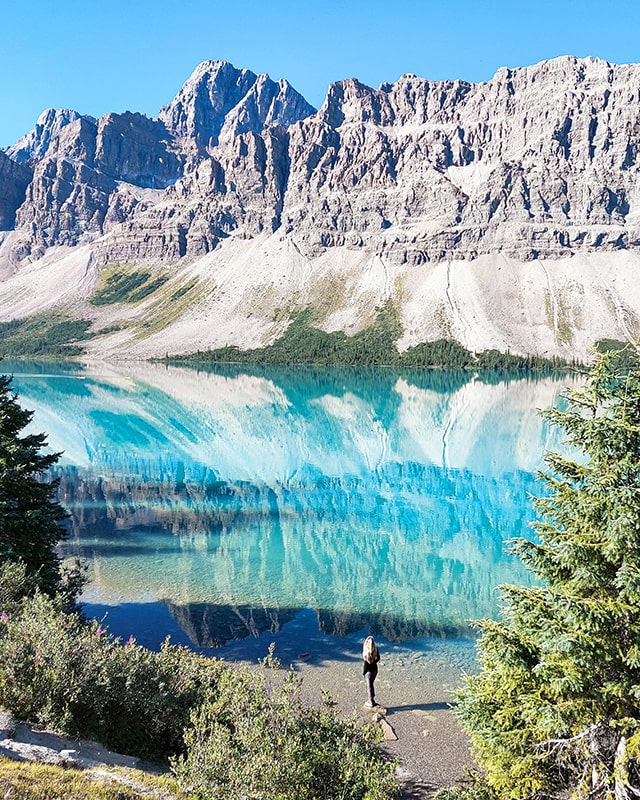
[[476, 788], [123, 287], [253, 738], [60, 672], [15, 583], [246, 732], [138, 701], [147, 289]]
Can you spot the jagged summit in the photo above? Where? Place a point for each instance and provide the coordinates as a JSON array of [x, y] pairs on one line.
[[219, 101], [380, 195], [35, 144]]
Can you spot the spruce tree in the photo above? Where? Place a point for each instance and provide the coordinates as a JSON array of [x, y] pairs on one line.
[[30, 518], [555, 708]]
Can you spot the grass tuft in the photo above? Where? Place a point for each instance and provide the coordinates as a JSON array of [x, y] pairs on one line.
[[20, 780]]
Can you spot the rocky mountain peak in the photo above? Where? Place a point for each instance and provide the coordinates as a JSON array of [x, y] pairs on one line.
[[198, 111], [347, 101], [35, 144], [538, 165], [219, 101]]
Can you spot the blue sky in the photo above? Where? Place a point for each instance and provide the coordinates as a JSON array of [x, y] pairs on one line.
[[134, 55]]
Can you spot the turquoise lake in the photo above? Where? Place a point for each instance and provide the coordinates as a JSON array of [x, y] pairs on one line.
[[232, 508]]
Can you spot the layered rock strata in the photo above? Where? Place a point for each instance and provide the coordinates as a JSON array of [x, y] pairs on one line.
[[376, 196], [537, 162], [14, 179]]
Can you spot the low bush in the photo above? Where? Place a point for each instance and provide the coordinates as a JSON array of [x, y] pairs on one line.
[[476, 788], [184, 289], [60, 672], [15, 584], [117, 286], [229, 731], [147, 289], [253, 738]]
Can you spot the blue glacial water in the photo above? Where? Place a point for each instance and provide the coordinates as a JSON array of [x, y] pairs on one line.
[[232, 507]]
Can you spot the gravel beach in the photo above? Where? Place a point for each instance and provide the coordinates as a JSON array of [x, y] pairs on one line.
[[415, 684]]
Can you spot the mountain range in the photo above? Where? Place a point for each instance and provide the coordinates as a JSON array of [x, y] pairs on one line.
[[503, 214]]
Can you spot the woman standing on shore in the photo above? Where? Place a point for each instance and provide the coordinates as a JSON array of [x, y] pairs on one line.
[[370, 657]]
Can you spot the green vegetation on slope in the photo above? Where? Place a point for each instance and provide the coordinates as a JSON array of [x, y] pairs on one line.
[[57, 336], [43, 336], [184, 289], [126, 287], [302, 343]]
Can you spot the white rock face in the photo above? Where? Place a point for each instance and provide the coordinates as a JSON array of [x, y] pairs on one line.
[[503, 214], [36, 143], [14, 179], [219, 102], [538, 162]]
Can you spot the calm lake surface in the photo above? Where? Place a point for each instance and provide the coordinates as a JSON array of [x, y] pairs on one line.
[[234, 508]]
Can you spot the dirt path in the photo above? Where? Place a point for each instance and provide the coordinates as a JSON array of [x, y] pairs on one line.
[[417, 687]]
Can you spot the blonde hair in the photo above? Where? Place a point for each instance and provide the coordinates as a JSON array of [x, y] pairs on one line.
[[369, 650]]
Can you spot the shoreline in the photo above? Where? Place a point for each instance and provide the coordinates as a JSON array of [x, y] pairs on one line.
[[417, 689], [416, 683]]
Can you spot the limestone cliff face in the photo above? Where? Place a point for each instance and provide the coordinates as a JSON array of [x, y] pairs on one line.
[[14, 179], [538, 162], [87, 179], [240, 189], [374, 196], [87, 173]]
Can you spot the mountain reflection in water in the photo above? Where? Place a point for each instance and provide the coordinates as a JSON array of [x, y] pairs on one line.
[[379, 499]]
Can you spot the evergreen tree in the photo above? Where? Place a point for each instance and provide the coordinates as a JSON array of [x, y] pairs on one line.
[[555, 709], [30, 519]]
